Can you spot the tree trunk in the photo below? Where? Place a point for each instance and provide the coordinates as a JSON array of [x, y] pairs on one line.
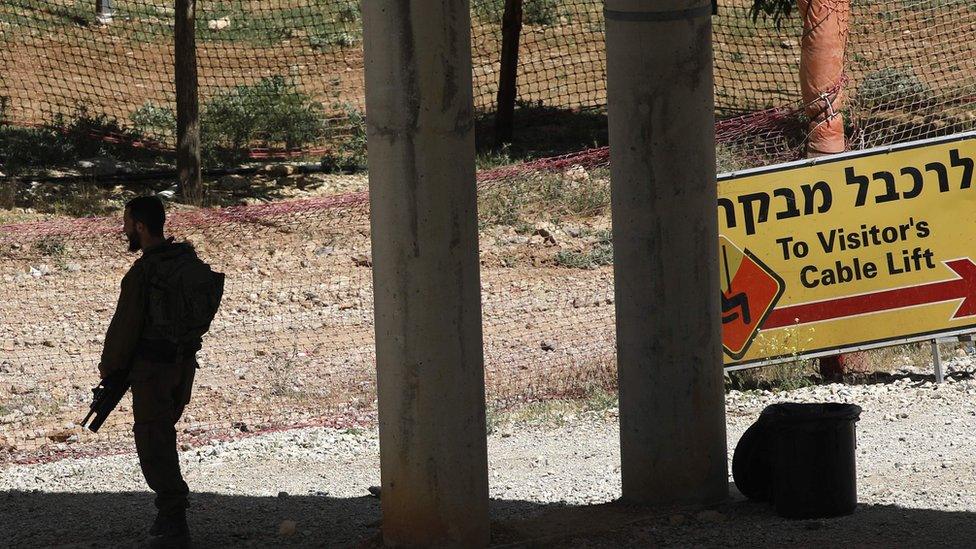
[[187, 104], [508, 72]]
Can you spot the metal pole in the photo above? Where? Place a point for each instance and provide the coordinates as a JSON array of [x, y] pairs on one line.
[[103, 11], [426, 280], [662, 150], [937, 362]]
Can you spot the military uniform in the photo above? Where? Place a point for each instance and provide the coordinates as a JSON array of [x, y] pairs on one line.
[[161, 375]]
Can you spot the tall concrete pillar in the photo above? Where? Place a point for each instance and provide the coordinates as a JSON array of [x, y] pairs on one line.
[[430, 364], [662, 151]]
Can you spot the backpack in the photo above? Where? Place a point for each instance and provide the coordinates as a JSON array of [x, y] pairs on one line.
[[184, 295]]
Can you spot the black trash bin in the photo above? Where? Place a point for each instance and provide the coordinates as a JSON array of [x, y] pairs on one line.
[[810, 449], [750, 464]]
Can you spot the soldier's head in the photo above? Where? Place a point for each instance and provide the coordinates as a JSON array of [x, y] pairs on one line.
[[143, 221]]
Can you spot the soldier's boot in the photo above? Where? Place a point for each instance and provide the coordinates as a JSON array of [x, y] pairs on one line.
[[170, 530]]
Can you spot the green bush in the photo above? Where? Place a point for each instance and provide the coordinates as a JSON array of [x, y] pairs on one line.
[[271, 112], [155, 122], [502, 204], [82, 129], [540, 12], [344, 29], [726, 159], [777, 10], [599, 255], [572, 198], [891, 88], [349, 154], [534, 12], [488, 11]]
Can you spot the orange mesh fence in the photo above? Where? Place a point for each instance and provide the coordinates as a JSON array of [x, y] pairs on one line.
[[293, 342]]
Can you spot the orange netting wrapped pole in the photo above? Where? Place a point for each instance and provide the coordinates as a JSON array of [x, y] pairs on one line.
[[825, 29]]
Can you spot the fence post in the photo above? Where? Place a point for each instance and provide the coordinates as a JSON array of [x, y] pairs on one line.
[[187, 104], [508, 71], [103, 11]]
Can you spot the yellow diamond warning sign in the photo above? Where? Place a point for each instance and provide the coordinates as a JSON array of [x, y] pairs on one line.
[[750, 290]]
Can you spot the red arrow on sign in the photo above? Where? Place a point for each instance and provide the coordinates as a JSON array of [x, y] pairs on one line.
[[963, 287]]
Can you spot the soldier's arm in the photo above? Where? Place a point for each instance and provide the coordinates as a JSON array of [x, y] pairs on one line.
[[126, 327]]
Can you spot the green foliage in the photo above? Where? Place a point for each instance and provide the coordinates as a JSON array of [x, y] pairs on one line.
[[8, 194], [82, 126], [599, 255], [540, 12], [781, 377], [51, 246], [726, 160], [503, 204], [272, 112], [599, 399], [573, 197], [925, 5], [349, 154], [343, 29], [54, 15], [534, 12], [66, 139], [494, 158], [488, 11], [891, 88], [777, 10], [155, 122]]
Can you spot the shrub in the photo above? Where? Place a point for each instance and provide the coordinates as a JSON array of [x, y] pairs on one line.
[[534, 12], [891, 88], [488, 11], [599, 255], [83, 129], [155, 122], [344, 29], [349, 154], [272, 111], [778, 10], [570, 195], [540, 12], [502, 204], [726, 159]]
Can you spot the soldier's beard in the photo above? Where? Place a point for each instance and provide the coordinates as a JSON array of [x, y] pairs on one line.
[[134, 244]]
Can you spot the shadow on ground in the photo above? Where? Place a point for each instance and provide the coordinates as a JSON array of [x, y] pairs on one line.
[[541, 131], [36, 519]]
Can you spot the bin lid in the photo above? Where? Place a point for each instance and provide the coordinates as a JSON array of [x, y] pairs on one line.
[[798, 412]]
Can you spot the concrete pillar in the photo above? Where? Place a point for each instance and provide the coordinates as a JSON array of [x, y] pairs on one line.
[[662, 151], [430, 364]]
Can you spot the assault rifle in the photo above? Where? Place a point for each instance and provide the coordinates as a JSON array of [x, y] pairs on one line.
[[105, 397]]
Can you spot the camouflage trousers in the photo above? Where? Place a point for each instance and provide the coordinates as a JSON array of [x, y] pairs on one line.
[[160, 392]]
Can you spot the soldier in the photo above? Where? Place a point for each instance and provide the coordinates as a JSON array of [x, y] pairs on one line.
[[149, 337]]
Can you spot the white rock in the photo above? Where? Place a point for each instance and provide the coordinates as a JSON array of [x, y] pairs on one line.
[[218, 24]]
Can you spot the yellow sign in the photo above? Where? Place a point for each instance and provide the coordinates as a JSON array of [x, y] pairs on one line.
[[849, 252]]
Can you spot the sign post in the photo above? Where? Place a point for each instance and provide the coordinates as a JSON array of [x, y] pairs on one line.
[[854, 251]]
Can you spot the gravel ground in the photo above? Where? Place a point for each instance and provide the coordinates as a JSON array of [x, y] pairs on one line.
[[549, 480]]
